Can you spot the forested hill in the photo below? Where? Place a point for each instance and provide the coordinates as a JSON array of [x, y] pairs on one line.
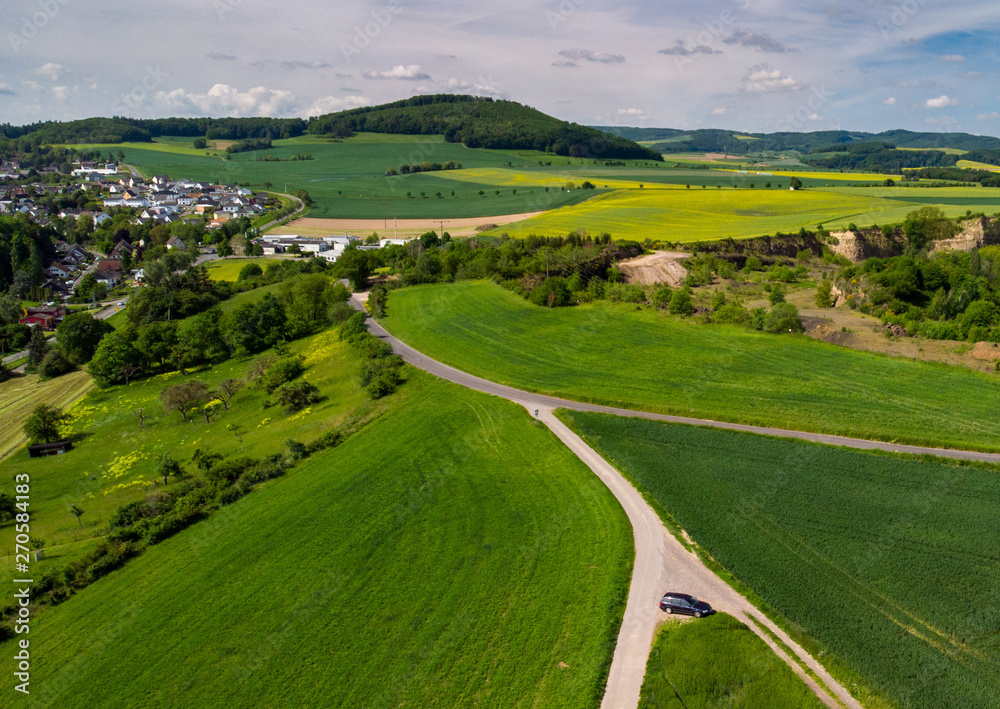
[[711, 140], [482, 123], [476, 122]]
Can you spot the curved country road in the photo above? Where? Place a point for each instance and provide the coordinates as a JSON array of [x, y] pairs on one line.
[[662, 563]]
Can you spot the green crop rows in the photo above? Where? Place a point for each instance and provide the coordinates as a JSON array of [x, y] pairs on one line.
[[892, 565], [613, 354]]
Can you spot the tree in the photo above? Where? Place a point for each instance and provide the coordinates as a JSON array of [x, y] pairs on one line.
[[54, 365], [928, 224], [8, 506], [157, 340], [142, 418], [78, 513], [38, 347], [355, 266], [552, 293], [200, 143], [43, 426], [227, 390], [377, 298], [224, 248], [10, 309], [184, 397], [296, 395], [824, 294], [251, 270], [795, 183], [79, 334], [167, 467], [784, 317], [777, 294], [116, 358]]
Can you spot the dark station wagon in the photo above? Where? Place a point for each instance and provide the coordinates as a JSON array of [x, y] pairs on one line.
[[683, 603]]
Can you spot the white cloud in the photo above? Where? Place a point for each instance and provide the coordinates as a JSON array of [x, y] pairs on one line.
[[332, 104], [940, 102], [763, 79], [631, 113], [6, 89], [815, 117], [891, 101], [565, 64], [952, 58], [987, 116], [225, 100], [719, 111], [970, 74], [409, 72], [51, 71], [591, 56], [61, 93], [481, 86]]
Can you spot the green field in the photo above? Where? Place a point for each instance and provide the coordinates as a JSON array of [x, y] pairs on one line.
[[719, 663], [452, 553], [617, 355], [346, 179], [891, 565], [228, 269], [683, 215]]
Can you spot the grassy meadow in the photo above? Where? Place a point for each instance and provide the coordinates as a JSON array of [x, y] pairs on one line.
[[228, 269], [451, 553], [715, 663], [891, 566], [22, 393], [114, 462], [614, 354]]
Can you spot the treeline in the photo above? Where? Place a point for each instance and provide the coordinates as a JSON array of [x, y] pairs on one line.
[[879, 157], [247, 145], [142, 130], [986, 178], [481, 123], [424, 167]]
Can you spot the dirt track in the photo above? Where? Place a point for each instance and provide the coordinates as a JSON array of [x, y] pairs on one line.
[[312, 226], [662, 563], [657, 267]]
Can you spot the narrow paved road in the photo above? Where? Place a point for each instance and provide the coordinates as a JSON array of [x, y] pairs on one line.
[[662, 563]]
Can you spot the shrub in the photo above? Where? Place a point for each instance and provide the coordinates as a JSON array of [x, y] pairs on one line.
[[295, 396], [251, 270], [661, 298], [804, 255], [553, 292], [282, 371], [339, 312], [355, 326], [777, 295], [784, 317], [54, 364], [732, 315], [824, 294], [680, 302], [753, 264], [757, 318]]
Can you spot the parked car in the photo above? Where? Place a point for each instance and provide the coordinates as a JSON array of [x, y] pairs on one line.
[[684, 604]]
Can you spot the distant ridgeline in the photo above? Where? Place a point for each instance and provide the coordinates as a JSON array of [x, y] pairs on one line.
[[476, 122], [711, 140]]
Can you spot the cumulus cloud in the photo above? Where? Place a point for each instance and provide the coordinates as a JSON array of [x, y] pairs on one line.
[[891, 101], [679, 50], [409, 72], [815, 117], [719, 111], [763, 79], [952, 58], [225, 100], [60, 93], [51, 71], [6, 89], [940, 102], [591, 56], [481, 86], [565, 64], [631, 113], [220, 57], [331, 104], [763, 42], [987, 116]]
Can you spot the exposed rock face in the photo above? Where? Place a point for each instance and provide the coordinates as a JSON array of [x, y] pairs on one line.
[[860, 245], [975, 234]]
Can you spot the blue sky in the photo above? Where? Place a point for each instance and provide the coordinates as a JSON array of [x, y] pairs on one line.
[[754, 65]]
